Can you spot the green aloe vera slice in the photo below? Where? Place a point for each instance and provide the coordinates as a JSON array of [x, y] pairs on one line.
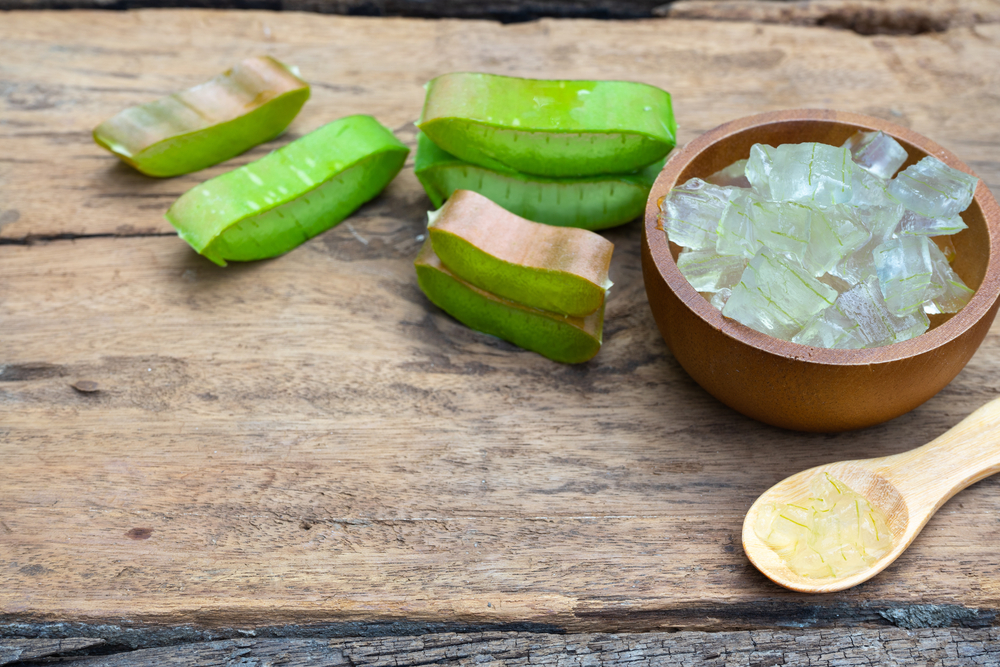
[[560, 269], [247, 105], [549, 128], [591, 202], [569, 340], [270, 206]]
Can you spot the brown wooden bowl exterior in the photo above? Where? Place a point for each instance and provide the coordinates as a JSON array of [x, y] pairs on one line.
[[795, 386]]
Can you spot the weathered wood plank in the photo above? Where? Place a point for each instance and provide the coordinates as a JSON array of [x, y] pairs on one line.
[[827, 648], [14, 650], [307, 440], [497, 10], [254, 453], [51, 96], [866, 17]]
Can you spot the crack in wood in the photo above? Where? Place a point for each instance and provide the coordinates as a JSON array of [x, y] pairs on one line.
[[33, 239], [865, 17], [844, 648]]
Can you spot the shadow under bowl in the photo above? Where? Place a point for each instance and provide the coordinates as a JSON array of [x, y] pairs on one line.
[[795, 386]]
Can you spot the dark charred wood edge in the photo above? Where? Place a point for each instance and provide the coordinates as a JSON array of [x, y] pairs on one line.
[[842, 647], [866, 17], [19, 650], [511, 11], [775, 614]]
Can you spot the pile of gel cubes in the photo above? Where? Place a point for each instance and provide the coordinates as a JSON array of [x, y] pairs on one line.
[[822, 245]]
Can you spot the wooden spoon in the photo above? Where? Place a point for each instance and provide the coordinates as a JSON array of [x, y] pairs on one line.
[[908, 488]]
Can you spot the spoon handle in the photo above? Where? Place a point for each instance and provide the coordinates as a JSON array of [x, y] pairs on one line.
[[968, 452]]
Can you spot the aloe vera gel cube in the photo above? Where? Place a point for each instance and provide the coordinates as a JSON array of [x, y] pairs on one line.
[[777, 297], [877, 153], [785, 227], [272, 205], [811, 173], [548, 127], [841, 257], [690, 213], [933, 189], [835, 233], [708, 271]]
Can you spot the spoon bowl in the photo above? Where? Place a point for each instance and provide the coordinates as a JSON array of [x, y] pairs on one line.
[[908, 488]]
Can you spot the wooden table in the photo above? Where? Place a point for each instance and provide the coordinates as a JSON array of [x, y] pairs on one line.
[[303, 457]]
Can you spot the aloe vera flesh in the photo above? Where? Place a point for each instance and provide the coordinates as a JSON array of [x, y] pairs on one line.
[[212, 122], [560, 269], [569, 340], [272, 205], [592, 202], [546, 127]]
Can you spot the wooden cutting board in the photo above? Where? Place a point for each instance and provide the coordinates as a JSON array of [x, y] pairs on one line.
[[307, 440]]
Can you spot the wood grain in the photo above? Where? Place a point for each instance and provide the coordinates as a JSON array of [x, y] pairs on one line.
[[24, 649], [308, 441], [865, 17], [828, 648]]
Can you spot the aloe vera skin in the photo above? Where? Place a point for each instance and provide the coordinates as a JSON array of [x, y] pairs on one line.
[[272, 205], [558, 269], [568, 340], [549, 128], [594, 202], [251, 103]]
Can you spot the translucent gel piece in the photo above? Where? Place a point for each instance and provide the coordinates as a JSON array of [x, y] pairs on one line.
[[881, 221], [905, 271], [691, 213], [708, 271], [784, 227], [877, 153], [776, 297], [836, 233], [869, 190], [758, 169], [865, 305], [832, 532], [720, 298], [831, 329], [735, 234], [859, 265], [811, 173], [955, 293], [915, 224], [933, 189], [732, 176]]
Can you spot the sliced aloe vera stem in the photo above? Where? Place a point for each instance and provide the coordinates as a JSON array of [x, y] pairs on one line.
[[569, 340], [247, 105], [561, 269], [270, 206], [549, 128], [589, 202]]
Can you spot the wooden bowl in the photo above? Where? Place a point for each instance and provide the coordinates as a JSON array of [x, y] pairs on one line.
[[795, 386]]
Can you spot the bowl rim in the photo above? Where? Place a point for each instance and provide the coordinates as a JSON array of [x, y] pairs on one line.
[[979, 305]]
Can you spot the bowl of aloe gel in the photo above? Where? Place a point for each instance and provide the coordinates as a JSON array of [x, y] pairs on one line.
[[765, 238]]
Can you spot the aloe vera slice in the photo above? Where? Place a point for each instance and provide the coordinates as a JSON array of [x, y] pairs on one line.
[[270, 206], [592, 202], [569, 340], [561, 269], [549, 128], [247, 105]]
